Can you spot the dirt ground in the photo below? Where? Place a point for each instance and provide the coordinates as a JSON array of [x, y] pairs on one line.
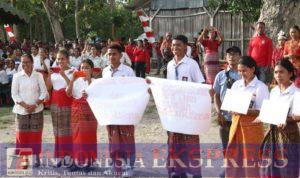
[[148, 131]]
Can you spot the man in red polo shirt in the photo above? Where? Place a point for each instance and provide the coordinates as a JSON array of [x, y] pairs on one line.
[[129, 48], [260, 49], [140, 55]]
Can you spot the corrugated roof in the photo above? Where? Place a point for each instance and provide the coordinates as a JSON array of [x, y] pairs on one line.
[[177, 4]]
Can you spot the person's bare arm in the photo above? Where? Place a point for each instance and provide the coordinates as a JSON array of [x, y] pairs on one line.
[[294, 118], [217, 104], [202, 35], [253, 112], [48, 81]]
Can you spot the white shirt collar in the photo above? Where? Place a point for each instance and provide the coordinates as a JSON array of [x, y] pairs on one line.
[[289, 90], [183, 60], [120, 68], [251, 84], [23, 73]]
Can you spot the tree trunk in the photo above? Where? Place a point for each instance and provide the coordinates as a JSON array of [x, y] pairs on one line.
[[76, 19], [30, 31], [280, 15], [53, 16], [43, 29], [112, 4], [36, 29]]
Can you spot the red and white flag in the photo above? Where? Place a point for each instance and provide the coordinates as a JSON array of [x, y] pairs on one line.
[[9, 32]]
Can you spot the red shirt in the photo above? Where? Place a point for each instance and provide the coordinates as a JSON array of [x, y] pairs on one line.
[[129, 50], [277, 55], [260, 48], [293, 47], [148, 60], [139, 55], [211, 46]]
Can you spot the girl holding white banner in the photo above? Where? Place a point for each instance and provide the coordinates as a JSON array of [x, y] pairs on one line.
[[283, 139], [243, 131], [83, 121]]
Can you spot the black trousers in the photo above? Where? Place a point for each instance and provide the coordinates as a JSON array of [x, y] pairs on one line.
[[140, 69]]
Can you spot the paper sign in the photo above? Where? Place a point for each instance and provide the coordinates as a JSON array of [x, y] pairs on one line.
[[296, 104], [183, 107], [274, 112], [118, 101], [236, 101]]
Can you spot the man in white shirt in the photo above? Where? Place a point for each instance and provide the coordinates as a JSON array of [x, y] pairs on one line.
[[182, 67], [76, 59], [35, 56], [4, 84], [186, 147], [124, 59], [28, 92], [121, 137]]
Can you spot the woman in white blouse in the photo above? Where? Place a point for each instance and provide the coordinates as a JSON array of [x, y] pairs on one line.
[[282, 141], [61, 106], [246, 136], [98, 63], [76, 60], [28, 92], [43, 64], [83, 121]]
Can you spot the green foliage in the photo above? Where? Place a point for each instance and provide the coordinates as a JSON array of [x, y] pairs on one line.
[[249, 8], [95, 19], [98, 19]]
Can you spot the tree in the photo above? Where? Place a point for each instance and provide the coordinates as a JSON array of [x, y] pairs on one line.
[[94, 18], [38, 27], [53, 16], [280, 15], [112, 5], [249, 8], [76, 19]]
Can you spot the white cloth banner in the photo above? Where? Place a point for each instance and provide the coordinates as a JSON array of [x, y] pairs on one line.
[[233, 102], [118, 101], [183, 107], [296, 103], [274, 112]]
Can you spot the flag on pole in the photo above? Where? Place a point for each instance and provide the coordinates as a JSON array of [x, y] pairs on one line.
[[9, 32]]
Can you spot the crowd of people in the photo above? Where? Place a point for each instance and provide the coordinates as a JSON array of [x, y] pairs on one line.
[[56, 77]]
